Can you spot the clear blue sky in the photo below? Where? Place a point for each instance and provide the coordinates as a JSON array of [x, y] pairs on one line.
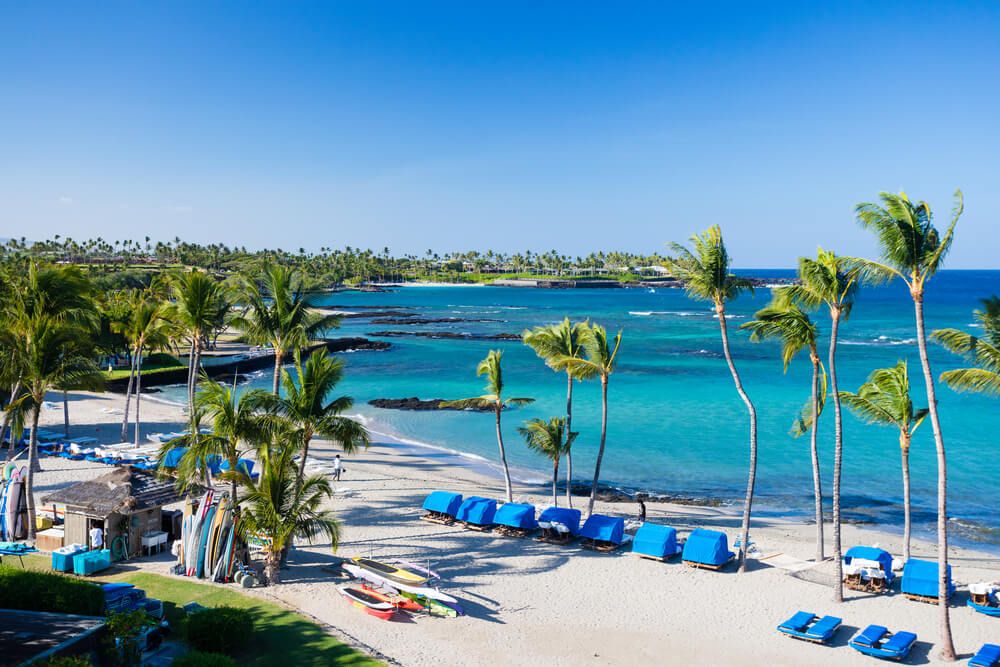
[[505, 125]]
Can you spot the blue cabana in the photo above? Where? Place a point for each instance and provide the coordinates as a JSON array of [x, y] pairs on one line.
[[655, 541], [172, 457], [246, 465], [443, 502], [920, 579], [601, 528], [707, 548], [477, 511], [516, 515], [883, 558], [567, 516]]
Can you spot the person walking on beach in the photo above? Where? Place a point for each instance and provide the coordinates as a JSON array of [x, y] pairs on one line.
[[337, 467], [642, 510]]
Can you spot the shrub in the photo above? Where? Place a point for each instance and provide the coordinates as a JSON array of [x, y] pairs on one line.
[[69, 661], [203, 659], [220, 629], [48, 591]]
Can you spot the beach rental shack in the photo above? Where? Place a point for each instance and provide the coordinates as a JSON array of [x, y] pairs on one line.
[[124, 503], [655, 541]]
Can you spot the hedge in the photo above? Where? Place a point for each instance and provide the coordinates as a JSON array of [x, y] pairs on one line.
[[203, 659], [220, 629], [47, 591]]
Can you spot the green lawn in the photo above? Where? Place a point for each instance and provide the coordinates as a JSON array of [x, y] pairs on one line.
[[281, 637], [153, 364]]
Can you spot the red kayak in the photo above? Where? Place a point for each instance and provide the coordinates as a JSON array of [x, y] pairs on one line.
[[371, 602]]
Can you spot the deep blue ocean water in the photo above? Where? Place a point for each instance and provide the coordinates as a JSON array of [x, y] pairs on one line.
[[676, 424]]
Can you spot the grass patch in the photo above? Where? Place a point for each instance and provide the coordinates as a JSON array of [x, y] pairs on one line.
[[151, 365], [281, 637]]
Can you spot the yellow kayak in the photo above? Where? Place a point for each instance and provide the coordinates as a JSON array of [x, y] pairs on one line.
[[390, 572]]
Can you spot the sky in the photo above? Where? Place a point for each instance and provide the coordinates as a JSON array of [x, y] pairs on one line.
[[497, 125]]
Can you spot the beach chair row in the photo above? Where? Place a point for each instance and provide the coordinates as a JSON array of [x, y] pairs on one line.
[[703, 548], [876, 641]]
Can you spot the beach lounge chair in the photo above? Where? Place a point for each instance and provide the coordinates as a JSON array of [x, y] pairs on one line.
[[515, 519], [920, 581], [655, 542], [878, 642], [810, 627], [441, 507], [603, 533], [868, 569], [987, 656], [477, 513], [708, 549], [559, 524]]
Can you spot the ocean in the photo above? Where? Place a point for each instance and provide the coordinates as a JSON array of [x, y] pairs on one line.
[[676, 425]]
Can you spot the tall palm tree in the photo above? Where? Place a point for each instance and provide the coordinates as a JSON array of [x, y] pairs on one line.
[[833, 282], [199, 308], [279, 508], [277, 314], [784, 320], [550, 439], [913, 250], [705, 272], [599, 358], [556, 345], [234, 429], [885, 400], [146, 330], [307, 411], [493, 400], [984, 351]]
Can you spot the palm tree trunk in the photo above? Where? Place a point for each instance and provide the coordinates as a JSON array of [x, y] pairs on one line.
[[569, 429], [904, 450], [128, 398], [192, 363], [65, 413], [138, 396], [302, 463], [196, 364], [278, 358], [7, 416], [720, 310], [272, 566], [600, 450], [29, 483], [555, 482], [947, 651], [503, 457], [817, 480], [838, 457]]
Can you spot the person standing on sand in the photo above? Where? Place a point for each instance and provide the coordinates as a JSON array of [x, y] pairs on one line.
[[337, 467], [642, 510]]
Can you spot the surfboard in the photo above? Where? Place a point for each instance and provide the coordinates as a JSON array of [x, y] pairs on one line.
[[424, 591], [195, 533], [372, 603], [390, 572], [203, 543], [213, 536]]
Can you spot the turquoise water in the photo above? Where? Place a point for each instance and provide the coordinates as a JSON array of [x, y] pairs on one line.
[[676, 424]]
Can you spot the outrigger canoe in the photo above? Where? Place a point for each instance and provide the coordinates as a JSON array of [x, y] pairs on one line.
[[371, 602], [390, 572]]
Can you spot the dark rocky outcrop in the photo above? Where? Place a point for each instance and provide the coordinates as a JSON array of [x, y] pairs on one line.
[[450, 335], [355, 343], [428, 320], [414, 403]]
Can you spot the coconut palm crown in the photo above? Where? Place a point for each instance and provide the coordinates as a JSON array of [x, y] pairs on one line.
[[551, 440], [984, 351]]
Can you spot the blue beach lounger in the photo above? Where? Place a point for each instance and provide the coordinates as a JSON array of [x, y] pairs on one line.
[[808, 626], [559, 524], [603, 533], [442, 506], [987, 656], [707, 549], [920, 581], [515, 519], [477, 513], [655, 541], [878, 642]]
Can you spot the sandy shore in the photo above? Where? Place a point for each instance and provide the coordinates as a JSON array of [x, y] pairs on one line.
[[530, 603]]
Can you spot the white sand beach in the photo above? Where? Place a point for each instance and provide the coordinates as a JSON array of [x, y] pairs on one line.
[[530, 603]]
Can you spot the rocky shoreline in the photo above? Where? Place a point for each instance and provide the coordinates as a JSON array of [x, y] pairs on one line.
[[414, 403], [450, 335]]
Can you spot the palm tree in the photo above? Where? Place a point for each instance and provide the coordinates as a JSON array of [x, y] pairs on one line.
[[550, 439], [599, 358], [277, 314], [198, 309], [885, 400], [785, 321], [557, 344], [235, 429], [146, 330], [982, 350], [492, 400], [912, 249], [279, 508], [706, 276], [833, 282], [306, 409]]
